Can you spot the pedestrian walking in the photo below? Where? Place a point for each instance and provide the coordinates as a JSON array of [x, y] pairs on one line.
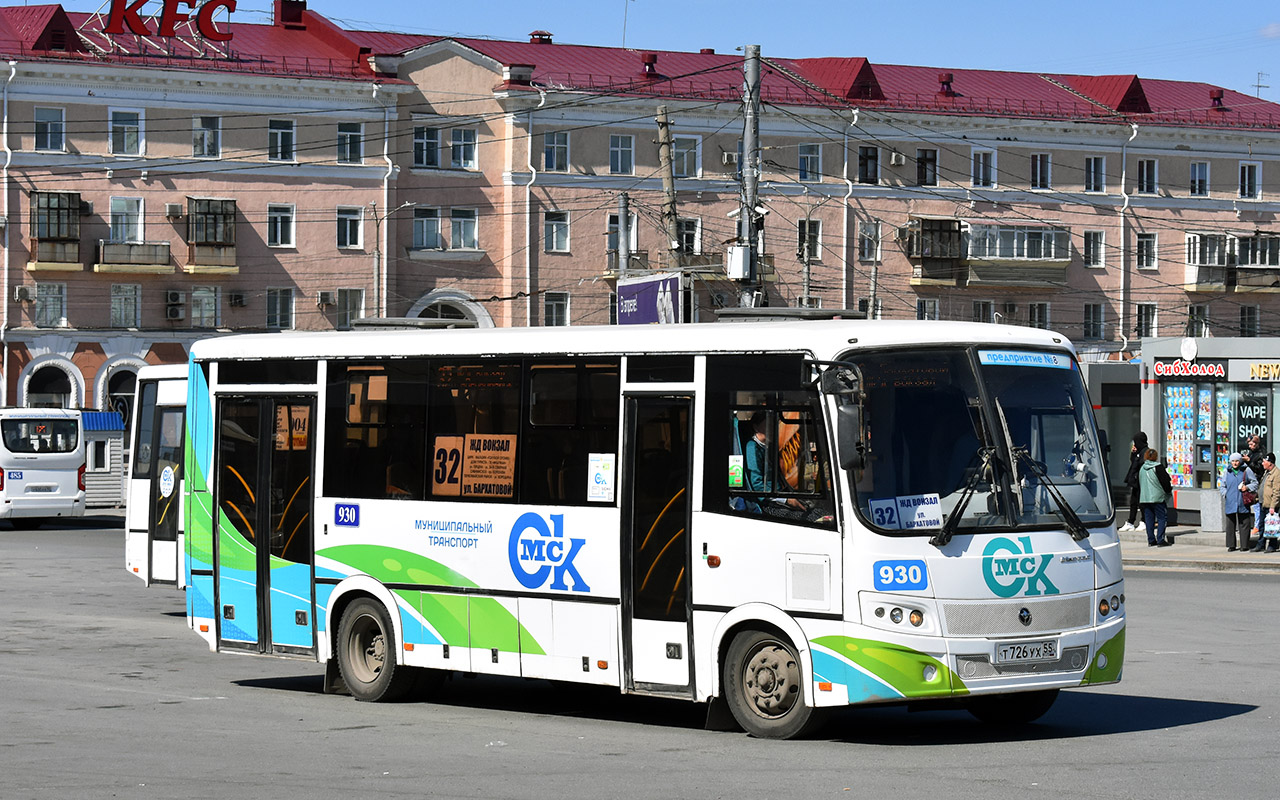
[[1238, 486], [1136, 457], [1269, 501], [1153, 492]]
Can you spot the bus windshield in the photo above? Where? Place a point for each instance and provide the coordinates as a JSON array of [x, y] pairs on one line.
[[1020, 451], [38, 435]]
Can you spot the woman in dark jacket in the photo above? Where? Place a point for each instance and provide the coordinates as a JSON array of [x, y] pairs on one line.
[[1136, 457], [1234, 481]]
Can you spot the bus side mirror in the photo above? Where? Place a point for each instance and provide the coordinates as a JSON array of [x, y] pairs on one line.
[[849, 435]]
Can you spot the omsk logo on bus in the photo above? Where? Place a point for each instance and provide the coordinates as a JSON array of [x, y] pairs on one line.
[[1007, 576], [538, 552]]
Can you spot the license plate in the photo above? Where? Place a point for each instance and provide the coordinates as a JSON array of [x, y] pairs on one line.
[[40, 488], [1025, 652]]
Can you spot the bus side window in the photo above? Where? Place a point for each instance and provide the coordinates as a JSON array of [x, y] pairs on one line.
[[374, 446]]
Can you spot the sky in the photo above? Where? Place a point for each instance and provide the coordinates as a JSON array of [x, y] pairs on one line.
[[1226, 43]]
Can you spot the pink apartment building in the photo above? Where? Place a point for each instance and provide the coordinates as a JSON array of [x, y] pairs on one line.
[[298, 175]]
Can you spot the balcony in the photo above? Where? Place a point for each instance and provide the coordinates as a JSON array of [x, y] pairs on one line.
[[938, 272], [1016, 274], [211, 259], [1209, 278], [55, 255], [144, 258], [639, 261], [1257, 279]]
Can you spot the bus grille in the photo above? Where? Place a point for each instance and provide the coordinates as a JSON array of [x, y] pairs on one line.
[[1001, 618], [1073, 659]]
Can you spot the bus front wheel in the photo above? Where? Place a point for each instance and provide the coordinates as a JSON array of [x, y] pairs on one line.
[[762, 684], [1019, 708], [367, 654]]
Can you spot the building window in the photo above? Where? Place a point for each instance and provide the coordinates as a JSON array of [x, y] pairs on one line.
[[211, 222], [50, 129], [686, 156], [1094, 244], [426, 147], [350, 307], [810, 161], [1148, 178], [612, 232], [868, 165], [126, 133], [126, 305], [51, 304], [1198, 320], [1146, 320], [280, 309], [621, 154], [1018, 242], [1095, 174], [555, 151], [984, 168], [1210, 249], [809, 247], [1092, 321], [350, 225], [55, 216], [1038, 315], [280, 140], [555, 231], [689, 236], [869, 241], [97, 456], [1146, 253], [206, 137], [1258, 251], [555, 309], [1251, 180], [462, 233], [927, 167], [927, 308], [206, 306], [1199, 178], [462, 150], [350, 143], [280, 225], [1041, 167], [1249, 317], [426, 229], [864, 305], [126, 219], [984, 311]]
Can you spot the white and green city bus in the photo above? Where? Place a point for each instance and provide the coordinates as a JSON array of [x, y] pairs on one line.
[[771, 518], [153, 540]]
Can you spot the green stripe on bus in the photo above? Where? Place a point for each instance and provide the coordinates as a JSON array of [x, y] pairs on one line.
[[900, 667]]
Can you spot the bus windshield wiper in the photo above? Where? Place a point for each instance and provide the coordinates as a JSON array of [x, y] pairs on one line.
[[948, 529], [1075, 525]]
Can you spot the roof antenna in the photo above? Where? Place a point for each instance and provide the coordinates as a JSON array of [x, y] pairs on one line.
[[1260, 85], [626, 6]]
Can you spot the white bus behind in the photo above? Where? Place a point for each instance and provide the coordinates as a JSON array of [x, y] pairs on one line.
[[153, 516], [41, 465]]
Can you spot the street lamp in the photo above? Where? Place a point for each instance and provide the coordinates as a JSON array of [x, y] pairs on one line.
[[378, 294]]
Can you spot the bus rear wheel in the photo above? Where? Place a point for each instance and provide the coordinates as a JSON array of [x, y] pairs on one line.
[[1019, 708], [367, 654], [762, 685]]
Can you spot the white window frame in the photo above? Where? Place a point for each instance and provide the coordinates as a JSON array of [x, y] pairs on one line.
[[97, 456], [809, 163], [458, 226], [282, 219], [464, 145], [1198, 320], [1012, 242], [866, 176], [1145, 309], [691, 228], [620, 145], [1099, 248], [1192, 182], [1210, 249], [927, 308], [1259, 250], [51, 304], [134, 233], [53, 128], [426, 229], [126, 305], [1087, 327], [864, 305], [869, 240], [1250, 321], [555, 309], [206, 307], [351, 143], [555, 231], [426, 143], [277, 135], [350, 307], [680, 156], [934, 181], [989, 306], [1038, 315], [1148, 183], [280, 303], [555, 153], [141, 131], [1151, 255], [202, 136], [809, 238], [346, 216], [1255, 181], [1041, 177], [1095, 174], [611, 231], [983, 175]]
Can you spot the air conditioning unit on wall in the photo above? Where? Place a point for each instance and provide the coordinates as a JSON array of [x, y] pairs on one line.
[[173, 297], [24, 294], [174, 210], [326, 298], [175, 313], [897, 159]]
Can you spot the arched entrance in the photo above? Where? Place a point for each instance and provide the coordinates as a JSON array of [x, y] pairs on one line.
[[451, 304], [50, 387]]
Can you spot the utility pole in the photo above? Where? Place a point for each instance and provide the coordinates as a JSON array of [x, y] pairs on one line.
[[750, 171], [624, 235], [666, 166]]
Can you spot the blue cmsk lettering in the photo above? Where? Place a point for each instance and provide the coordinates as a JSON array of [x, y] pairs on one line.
[[548, 558]]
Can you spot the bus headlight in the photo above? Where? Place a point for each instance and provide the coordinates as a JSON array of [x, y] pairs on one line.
[[896, 615], [1104, 607], [917, 617]]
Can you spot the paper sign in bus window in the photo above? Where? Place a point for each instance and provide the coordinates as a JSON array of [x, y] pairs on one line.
[[293, 427], [600, 477], [474, 465]]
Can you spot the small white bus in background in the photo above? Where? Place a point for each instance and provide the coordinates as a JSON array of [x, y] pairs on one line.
[[41, 465], [153, 515]]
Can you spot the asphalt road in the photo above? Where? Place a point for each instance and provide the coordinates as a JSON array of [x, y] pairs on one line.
[[105, 693]]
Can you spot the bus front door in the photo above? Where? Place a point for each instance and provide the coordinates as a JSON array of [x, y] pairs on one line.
[[264, 561], [655, 575], [166, 497]]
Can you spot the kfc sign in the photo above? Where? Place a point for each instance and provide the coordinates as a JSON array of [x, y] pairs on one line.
[[125, 18]]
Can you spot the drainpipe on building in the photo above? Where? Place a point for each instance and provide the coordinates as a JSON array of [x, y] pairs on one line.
[[528, 219], [380, 279], [1124, 233], [4, 283], [844, 232]]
